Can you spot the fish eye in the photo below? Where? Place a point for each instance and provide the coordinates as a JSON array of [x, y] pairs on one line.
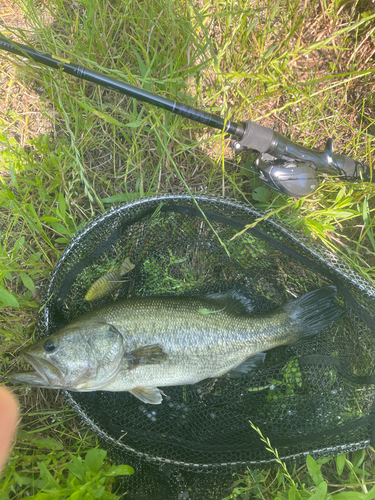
[[49, 346]]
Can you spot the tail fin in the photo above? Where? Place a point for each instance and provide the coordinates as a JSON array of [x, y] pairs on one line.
[[314, 312]]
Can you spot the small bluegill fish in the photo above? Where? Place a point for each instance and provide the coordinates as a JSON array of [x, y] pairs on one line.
[[109, 281]]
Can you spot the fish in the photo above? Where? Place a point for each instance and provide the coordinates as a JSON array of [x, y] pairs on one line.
[[108, 282], [143, 343]]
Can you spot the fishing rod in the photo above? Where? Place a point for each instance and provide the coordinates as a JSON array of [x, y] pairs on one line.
[[285, 166]]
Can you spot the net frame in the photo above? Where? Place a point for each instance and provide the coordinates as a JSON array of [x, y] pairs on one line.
[[215, 213]]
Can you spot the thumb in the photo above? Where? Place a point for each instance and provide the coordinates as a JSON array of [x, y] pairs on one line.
[[8, 422]]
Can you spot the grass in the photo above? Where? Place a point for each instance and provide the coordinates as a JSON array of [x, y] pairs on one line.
[[70, 150], [293, 483]]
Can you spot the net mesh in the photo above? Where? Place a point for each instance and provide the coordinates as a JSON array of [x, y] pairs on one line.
[[313, 397]]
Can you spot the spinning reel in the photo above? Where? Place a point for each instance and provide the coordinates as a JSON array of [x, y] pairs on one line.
[[286, 167]]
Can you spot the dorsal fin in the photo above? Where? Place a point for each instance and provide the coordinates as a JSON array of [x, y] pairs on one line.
[[233, 300]]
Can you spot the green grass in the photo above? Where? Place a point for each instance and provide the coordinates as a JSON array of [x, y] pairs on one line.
[[48, 470], [355, 482], [70, 150]]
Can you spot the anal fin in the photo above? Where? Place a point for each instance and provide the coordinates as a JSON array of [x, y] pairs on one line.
[[150, 395], [249, 365]]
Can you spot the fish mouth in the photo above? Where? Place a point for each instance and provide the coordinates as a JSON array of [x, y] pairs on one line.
[[45, 372], [32, 379]]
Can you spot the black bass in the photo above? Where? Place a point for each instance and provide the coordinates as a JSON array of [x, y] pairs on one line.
[[143, 343]]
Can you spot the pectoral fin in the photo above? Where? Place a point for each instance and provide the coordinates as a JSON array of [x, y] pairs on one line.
[[150, 395], [146, 355]]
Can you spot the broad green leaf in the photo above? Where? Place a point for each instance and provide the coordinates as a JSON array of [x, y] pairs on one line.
[[144, 70], [76, 495], [358, 458], [321, 492], [350, 495], [46, 475], [6, 193], [119, 470], [13, 174], [99, 493], [27, 281], [207, 311], [19, 243], [293, 494], [134, 124], [340, 463], [371, 494], [340, 194], [7, 298], [59, 228], [76, 467], [314, 470], [261, 194], [366, 14], [280, 478], [39, 442], [22, 480], [269, 52], [94, 459], [33, 257], [322, 461], [48, 218], [30, 208]]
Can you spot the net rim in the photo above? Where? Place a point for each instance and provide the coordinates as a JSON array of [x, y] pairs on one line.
[[323, 255]]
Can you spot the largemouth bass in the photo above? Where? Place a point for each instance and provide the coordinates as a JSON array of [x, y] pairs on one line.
[[143, 343]]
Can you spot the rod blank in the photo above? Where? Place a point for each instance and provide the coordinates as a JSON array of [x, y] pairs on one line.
[[215, 121]]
